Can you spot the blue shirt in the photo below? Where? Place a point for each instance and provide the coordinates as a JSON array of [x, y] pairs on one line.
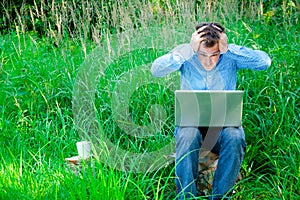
[[193, 76]]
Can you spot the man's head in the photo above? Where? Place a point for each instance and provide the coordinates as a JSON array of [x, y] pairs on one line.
[[209, 51], [211, 32]]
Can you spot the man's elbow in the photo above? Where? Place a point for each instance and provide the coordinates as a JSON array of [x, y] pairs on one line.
[[267, 62], [154, 70], [264, 62]]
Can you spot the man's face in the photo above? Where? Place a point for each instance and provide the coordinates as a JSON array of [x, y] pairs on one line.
[[208, 56]]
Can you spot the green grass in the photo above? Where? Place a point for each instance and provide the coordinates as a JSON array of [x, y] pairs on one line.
[[37, 127]]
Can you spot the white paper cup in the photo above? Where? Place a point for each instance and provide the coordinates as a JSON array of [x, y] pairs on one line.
[[83, 149]]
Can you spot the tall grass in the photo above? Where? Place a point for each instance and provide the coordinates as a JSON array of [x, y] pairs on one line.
[[38, 73]]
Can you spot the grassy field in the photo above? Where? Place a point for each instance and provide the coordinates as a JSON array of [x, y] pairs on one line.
[[39, 77]]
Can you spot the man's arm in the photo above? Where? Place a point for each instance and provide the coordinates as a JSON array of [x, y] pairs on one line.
[[248, 58], [172, 61], [244, 56]]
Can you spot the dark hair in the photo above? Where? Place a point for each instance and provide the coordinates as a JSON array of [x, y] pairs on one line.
[[212, 31]]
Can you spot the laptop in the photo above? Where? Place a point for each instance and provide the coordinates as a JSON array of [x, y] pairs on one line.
[[208, 108]]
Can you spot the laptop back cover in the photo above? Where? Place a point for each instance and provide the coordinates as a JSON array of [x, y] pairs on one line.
[[209, 108]]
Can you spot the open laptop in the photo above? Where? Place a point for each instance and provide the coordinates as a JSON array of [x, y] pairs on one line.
[[209, 108]]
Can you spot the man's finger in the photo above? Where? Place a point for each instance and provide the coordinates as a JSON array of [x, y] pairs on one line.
[[198, 36], [201, 29], [202, 34], [218, 28]]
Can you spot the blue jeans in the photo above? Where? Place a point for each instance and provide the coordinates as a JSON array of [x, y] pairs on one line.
[[229, 143]]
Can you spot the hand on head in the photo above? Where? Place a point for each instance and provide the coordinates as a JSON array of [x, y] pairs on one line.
[[210, 33], [197, 38]]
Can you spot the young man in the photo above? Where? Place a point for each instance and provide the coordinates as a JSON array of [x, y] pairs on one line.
[[209, 63]]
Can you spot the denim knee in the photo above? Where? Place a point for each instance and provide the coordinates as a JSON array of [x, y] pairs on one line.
[[187, 139], [186, 133], [233, 136]]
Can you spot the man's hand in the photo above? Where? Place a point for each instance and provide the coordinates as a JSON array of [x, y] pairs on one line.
[[223, 42], [197, 38]]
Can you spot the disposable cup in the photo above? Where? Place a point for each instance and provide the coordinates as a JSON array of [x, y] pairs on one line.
[[83, 149]]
